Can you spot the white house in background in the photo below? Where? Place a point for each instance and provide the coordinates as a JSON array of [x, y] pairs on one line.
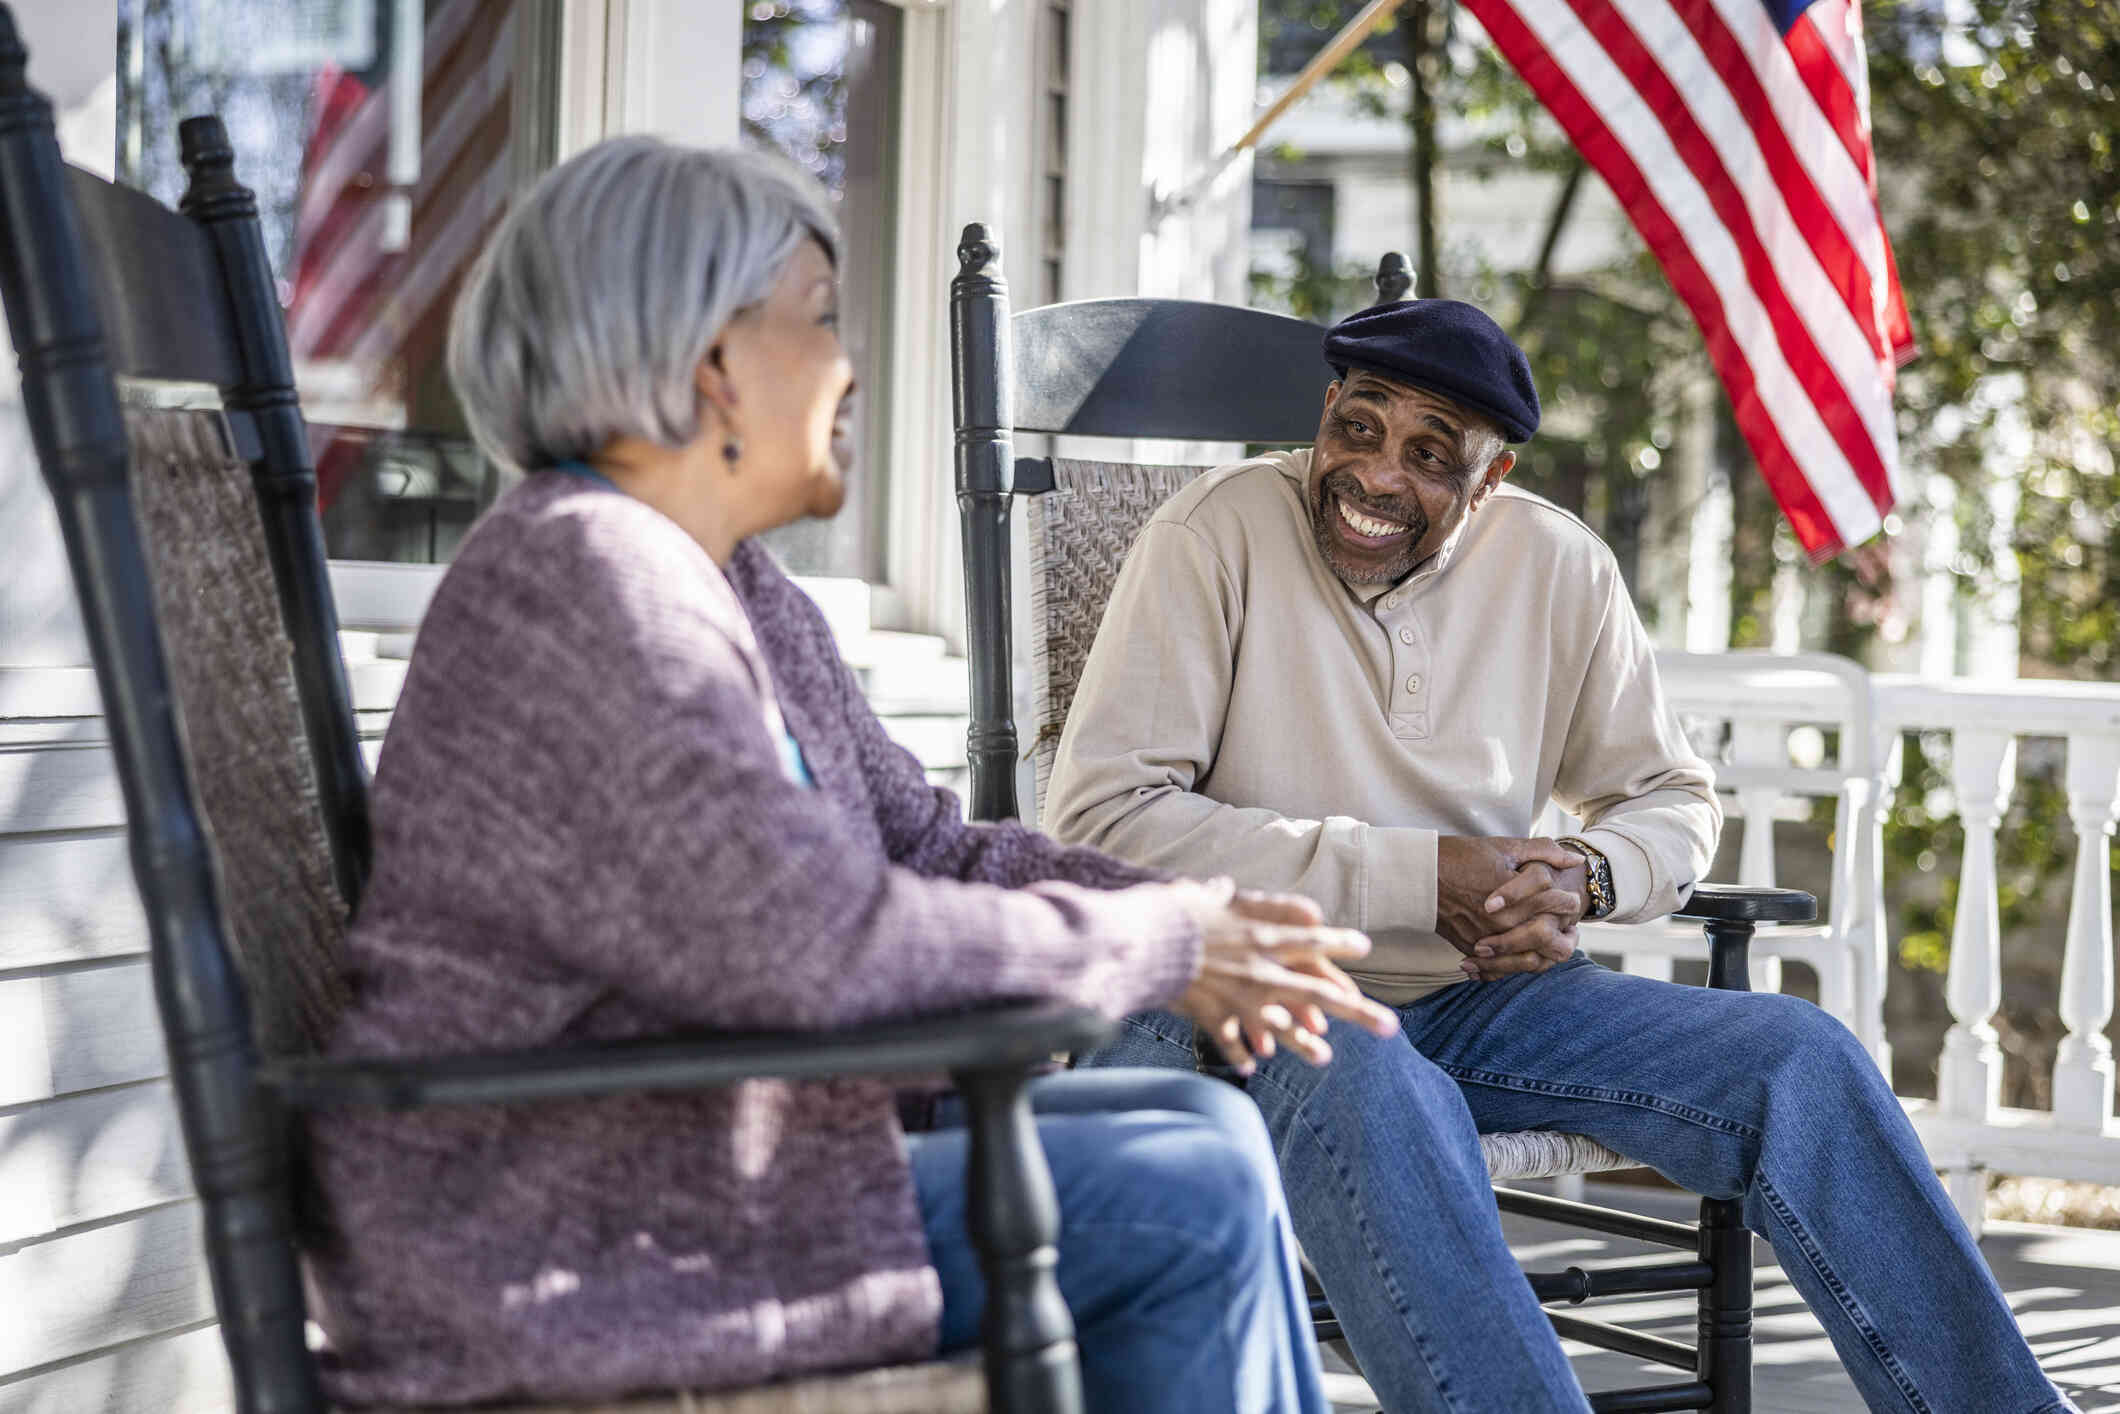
[[1037, 117]]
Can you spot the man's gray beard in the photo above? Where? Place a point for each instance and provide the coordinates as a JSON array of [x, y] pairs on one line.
[[1392, 573]]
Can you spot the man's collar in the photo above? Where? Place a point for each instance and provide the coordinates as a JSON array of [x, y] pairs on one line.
[[1295, 466]]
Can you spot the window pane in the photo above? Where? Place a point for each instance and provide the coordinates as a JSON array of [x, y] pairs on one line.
[[821, 84], [384, 139]]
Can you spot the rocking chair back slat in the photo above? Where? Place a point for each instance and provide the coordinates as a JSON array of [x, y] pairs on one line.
[[157, 288], [1168, 368]]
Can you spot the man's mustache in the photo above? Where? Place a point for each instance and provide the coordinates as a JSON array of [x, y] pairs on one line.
[[1403, 509]]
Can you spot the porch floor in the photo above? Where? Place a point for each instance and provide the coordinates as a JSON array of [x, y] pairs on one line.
[[2063, 1283]]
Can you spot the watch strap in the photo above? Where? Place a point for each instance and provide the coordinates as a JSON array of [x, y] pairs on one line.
[[1598, 877]]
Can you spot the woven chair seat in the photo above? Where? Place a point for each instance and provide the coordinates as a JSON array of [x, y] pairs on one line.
[[942, 1387], [1541, 1153]]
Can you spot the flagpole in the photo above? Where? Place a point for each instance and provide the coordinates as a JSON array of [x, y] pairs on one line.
[[1327, 59]]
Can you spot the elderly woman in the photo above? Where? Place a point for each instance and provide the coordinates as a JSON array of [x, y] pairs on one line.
[[630, 787]]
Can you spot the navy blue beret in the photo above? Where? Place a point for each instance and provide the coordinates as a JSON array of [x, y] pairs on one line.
[[1447, 347]]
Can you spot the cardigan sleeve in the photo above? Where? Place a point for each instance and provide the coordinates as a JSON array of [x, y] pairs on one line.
[[924, 828], [722, 892], [923, 824]]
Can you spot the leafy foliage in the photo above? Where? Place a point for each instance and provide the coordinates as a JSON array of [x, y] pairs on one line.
[[1997, 139]]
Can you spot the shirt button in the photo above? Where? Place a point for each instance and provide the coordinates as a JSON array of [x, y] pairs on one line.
[[1413, 684], [1391, 601], [1405, 635]]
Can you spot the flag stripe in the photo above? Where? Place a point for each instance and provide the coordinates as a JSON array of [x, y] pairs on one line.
[[338, 156], [1829, 87], [1744, 163], [355, 300], [349, 267], [1829, 198], [1834, 116], [1844, 108], [1715, 231], [1740, 344], [1816, 331]]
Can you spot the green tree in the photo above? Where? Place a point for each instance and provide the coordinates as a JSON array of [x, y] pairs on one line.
[[1996, 138]]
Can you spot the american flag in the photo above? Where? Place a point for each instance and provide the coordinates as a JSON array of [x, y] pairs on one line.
[[1736, 134], [381, 243]]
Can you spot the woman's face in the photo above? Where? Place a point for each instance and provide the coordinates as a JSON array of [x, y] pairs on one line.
[[792, 385]]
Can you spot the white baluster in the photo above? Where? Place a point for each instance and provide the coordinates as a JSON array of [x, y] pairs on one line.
[[1839, 986], [1760, 746], [1869, 927], [1983, 767], [2083, 1071]]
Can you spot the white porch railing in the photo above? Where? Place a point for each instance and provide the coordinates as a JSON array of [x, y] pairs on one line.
[[1775, 713]]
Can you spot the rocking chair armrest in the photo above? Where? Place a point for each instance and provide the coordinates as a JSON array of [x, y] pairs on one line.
[[1729, 913], [1014, 1036], [1748, 903]]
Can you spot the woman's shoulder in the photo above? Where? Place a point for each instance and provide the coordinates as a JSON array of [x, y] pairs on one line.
[[557, 528], [777, 604], [566, 561]]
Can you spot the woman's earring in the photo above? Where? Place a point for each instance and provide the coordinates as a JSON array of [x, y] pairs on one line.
[[731, 451]]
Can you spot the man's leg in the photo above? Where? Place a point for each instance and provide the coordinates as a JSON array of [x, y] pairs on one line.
[[1766, 1098], [1392, 1205], [1157, 1040], [1175, 1254]]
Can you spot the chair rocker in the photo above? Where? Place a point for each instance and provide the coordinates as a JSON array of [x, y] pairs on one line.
[[1156, 368], [195, 551]]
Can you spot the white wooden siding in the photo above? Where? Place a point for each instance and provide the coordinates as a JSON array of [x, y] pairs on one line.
[[101, 1270]]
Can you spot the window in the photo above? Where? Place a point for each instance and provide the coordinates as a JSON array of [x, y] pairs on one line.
[[384, 139], [821, 85]]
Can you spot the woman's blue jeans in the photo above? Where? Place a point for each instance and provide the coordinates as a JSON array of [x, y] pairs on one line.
[[1175, 1252], [1736, 1095]]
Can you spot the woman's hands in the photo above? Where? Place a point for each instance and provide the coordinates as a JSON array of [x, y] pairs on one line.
[[1266, 975]]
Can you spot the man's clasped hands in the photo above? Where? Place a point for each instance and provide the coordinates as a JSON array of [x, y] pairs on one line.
[[1509, 905], [1269, 973]]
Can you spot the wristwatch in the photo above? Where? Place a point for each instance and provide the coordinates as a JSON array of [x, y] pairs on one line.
[[1599, 871]]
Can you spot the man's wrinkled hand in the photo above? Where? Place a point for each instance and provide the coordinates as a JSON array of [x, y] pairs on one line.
[[1510, 905]]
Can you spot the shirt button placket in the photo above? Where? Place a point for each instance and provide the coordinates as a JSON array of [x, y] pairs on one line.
[[1409, 708]]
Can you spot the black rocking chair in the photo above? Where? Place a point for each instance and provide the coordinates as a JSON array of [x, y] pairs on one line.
[[193, 540], [1153, 368]]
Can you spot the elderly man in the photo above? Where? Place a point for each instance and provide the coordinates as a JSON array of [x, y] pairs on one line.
[[1359, 672]]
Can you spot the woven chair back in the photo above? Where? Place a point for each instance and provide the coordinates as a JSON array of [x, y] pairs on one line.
[[239, 713], [1080, 532]]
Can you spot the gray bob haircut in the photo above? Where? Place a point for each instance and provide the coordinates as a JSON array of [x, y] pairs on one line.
[[590, 311]]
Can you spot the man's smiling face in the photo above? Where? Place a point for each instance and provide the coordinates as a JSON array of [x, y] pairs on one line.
[[1396, 471]]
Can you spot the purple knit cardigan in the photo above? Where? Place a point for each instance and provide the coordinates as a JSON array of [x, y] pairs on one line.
[[583, 831]]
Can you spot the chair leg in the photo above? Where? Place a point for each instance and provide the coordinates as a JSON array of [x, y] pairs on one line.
[[1014, 1220], [1725, 1359]]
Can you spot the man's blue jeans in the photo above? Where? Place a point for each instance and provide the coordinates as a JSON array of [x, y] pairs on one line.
[[1729, 1094], [1175, 1252]]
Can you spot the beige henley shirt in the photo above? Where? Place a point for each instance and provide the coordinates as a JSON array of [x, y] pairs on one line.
[[1245, 712]]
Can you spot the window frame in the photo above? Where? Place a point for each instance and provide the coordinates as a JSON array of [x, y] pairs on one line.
[[639, 66]]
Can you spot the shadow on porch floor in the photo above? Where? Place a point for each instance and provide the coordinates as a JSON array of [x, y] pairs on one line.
[[2063, 1283]]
